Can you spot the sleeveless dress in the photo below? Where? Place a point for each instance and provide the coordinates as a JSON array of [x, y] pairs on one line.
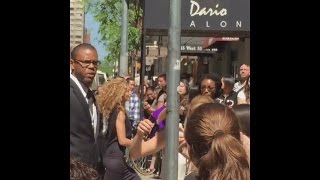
[[114, 153]]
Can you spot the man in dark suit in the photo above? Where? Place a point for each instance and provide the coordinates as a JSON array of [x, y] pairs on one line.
[[84, 118]]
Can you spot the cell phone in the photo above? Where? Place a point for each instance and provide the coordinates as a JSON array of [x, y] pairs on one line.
[[155, 127], [152, 119]]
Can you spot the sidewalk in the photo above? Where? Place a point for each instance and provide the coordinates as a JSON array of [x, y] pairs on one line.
[[150, 177]]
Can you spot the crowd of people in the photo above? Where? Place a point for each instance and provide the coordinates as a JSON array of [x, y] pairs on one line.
[[214, 124]]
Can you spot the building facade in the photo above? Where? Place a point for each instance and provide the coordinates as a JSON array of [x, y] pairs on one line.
[[199, 57], [76, 22]]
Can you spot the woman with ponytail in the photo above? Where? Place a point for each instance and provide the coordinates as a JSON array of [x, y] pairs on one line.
[[213, 137]]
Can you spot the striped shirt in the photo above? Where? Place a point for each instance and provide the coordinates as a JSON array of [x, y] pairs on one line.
[[133, 109]]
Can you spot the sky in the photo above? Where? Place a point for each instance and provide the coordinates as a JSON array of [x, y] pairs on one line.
[[93, 27]]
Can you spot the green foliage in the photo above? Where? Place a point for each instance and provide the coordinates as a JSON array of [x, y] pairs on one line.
[[108, 13], [106, 67]]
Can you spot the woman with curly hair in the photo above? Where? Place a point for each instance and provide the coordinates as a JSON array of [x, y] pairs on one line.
[[82, 171], [116, 129]]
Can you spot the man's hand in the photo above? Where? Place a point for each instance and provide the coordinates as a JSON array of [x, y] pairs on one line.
[[146, 105]]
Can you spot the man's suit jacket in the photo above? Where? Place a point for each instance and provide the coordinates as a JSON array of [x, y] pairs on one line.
[[83, 141]]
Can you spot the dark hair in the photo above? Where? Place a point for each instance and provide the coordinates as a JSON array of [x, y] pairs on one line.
[[185, 76], [185, 82], [212, 131], [242, 111], [82, 171], [213, 76], [129, 79], [247, 89], [217, 81], [76, 49], [163, 75], [228, 79], [150, 88]]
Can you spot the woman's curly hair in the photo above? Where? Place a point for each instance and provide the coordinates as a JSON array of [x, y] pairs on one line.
[[82, 171], [111, 96]]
